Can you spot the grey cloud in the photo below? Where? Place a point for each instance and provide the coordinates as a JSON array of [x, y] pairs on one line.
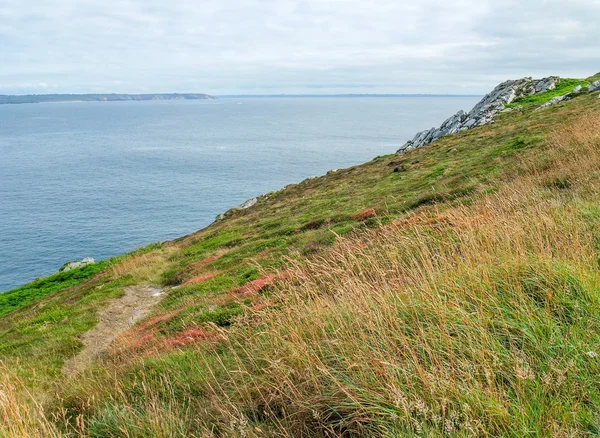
[[291, 46]]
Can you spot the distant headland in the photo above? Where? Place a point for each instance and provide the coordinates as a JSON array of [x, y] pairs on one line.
[[46, 98]]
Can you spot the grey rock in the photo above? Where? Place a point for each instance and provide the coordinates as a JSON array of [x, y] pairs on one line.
[[468, 124], [546, 84], [485, 112], [595, 86], [76, 264], [244, 206], [562, 98], [553, 101], [249, 203], [452, 125]]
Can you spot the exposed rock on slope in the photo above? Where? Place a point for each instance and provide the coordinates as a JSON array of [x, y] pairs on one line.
[[244, 206], [485, 111], [562, 98], [77, 264], [594, 87]]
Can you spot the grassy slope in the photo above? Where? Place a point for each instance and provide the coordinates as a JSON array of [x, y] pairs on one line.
[[564, 86], [594, 78], [24, 295], [177, 349]]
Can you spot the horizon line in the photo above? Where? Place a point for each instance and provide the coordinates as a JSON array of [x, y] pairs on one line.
[[348, 95], [253, 94]]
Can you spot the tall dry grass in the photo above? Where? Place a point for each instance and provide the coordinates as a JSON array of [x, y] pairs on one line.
[[151, 415], [21, 415], [144, 267], [479, 320]]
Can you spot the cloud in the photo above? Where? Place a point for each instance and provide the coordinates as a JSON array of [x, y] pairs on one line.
[[291, 46]]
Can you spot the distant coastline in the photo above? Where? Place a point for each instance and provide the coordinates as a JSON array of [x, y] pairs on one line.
[[241, 96], [113, 97]]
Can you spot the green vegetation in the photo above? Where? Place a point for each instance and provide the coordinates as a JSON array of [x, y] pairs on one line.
[[24, 295], [37, 338], [448, 291], [594, 78], [564, 86]]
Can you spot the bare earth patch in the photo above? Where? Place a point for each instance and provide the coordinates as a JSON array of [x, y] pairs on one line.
[[120, 314]]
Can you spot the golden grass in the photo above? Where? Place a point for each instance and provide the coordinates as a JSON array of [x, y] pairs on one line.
[[478, 320], [143, 268], [20, 414]]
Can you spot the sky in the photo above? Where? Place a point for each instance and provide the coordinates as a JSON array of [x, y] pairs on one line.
[[291, 46]]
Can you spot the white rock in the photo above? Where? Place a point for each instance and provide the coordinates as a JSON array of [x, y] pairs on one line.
[[249, 203], [76, 264]]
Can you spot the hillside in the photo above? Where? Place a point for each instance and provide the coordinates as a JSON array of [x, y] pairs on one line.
[[448, 290]]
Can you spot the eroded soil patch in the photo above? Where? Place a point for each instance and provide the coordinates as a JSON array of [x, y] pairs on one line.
[[120, 314]]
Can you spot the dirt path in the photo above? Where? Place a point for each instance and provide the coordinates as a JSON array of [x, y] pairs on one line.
[[120, 314]]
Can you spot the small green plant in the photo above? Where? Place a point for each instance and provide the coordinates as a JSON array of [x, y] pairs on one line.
[[221, 316]]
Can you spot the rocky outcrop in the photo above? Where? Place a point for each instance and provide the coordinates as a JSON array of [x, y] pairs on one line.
[[485, 111], [77, 264], [244, 206], [595, 86], [249, 203], [553, 101], [562, 98]]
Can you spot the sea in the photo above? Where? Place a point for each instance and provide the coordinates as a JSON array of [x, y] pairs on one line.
[[97, 179]]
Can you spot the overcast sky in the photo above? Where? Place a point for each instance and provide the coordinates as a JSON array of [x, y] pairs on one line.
[[292, 46]]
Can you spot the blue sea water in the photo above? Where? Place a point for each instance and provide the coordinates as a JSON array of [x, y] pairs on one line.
[[99, 179]]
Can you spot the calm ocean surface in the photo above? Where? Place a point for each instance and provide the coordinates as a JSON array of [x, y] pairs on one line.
[[99, 179]]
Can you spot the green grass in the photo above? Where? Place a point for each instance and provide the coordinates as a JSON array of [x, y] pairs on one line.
[[564, 86], [25, 295], [43, 320]]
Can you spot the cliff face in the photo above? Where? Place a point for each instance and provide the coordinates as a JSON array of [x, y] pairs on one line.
[[485, 111]]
